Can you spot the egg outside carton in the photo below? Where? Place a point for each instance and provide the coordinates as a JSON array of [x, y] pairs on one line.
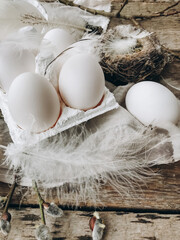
[[145, 61], [70, 117]]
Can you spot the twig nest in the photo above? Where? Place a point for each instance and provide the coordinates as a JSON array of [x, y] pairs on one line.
[[131, 55]]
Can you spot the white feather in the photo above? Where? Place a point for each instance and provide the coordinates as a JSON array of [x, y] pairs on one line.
[[122, 43], [16, 14], [27, 39], [113, 148], [128, 31], [123, 46], [66, 17]]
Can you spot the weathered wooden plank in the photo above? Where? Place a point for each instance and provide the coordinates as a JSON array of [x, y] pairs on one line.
[[75, 225], [166, 28], [160, 193]]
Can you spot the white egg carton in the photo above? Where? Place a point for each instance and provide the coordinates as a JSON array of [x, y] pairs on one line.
[[70, 117]]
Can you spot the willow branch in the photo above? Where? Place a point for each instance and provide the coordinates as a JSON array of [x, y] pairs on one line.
[[10, 194], [169, 7], [90, 10], [171, 52], [143, 17], [135, 22], [117, 14], [41, 201]]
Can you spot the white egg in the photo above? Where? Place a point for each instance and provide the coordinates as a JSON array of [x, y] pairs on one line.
[[81, 82], [152, 103], [33, 102], [59, 38], [14, 60]]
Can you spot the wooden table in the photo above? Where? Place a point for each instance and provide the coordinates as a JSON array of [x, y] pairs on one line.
[[153, 212]]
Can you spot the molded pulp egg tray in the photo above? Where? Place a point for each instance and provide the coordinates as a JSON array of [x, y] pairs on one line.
[[69, 117]]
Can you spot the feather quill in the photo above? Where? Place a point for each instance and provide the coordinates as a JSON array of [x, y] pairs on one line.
[[19, 13]]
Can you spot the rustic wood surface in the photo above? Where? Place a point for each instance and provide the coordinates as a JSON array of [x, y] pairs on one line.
[[160, 194], [75, 225]]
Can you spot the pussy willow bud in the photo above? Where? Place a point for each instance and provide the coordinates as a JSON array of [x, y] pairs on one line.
[[97, 226], [43, 233], [53, 210], [5, 225]]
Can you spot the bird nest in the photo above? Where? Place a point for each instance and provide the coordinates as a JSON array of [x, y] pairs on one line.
[[131, 55]]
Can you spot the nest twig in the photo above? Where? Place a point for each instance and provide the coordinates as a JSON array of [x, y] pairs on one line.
[[117, 14]]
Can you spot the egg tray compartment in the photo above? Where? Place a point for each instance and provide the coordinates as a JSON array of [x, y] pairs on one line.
[[70, 117]]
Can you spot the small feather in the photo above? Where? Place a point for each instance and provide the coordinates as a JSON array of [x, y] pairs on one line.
[[43, 233], [16, 14], [122, 43], [66, 17], [27, 37], [123, 46]]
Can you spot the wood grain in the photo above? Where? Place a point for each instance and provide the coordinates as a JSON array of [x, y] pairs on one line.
[[166, 28], [75, 225], [160, 193]]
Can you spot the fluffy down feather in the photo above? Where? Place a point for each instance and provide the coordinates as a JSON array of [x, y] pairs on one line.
[[113, 148]]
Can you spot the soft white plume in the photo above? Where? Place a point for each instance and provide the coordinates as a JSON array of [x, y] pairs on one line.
[[114, 148], [123, 40], [27, 37], [18, 13]]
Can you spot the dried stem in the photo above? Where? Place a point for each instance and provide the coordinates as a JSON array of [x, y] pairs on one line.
[[122, 6], [9, 197], [171, 6], [135, 22], [144, 17], [118, 15], [90, 10], [171, 52], [41, 201]]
